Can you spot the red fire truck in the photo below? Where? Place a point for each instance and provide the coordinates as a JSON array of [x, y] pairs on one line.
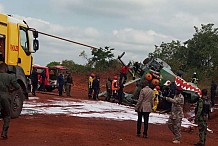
[[49, 86]]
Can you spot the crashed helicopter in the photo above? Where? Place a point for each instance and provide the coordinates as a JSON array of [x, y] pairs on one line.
[[157, 72]]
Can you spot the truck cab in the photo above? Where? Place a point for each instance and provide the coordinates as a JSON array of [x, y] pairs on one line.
[[16, 52]]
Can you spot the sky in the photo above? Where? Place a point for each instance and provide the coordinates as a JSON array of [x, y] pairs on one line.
[[92, 109], [131, 26]]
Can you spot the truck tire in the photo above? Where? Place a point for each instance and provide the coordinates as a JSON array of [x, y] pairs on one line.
[[17, 99]]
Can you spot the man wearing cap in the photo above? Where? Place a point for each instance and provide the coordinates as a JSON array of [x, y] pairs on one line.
[[175, 118]]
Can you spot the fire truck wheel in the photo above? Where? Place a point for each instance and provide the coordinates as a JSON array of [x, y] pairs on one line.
[[17, 99]]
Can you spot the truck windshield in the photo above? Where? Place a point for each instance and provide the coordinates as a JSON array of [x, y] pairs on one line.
[[53, 74], [24, 42]]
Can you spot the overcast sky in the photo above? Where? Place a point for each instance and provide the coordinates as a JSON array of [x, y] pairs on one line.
[[133, 26]]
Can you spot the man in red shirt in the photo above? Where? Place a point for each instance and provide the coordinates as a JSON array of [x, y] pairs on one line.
[[123, 73]]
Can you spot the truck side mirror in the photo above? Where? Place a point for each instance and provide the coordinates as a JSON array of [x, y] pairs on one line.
[[35, 34], [35, 45]]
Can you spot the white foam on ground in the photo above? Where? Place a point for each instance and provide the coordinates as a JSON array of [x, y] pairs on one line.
[[91, 109]]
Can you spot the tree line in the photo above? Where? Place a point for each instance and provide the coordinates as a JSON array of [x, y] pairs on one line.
[[198, 54], [102, 59]]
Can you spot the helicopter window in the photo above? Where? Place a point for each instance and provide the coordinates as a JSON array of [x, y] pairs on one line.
[[155, 65]]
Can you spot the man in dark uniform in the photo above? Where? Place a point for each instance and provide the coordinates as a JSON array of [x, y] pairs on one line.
[[96, 87], [69, 83], [201, 116], [43, 76], [7, 82], [60, 82], [120, 92], [213, 92], [136, 69], [34, 80], [108, 87]]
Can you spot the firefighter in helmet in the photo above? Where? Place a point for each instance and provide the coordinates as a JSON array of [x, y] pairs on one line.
[[90, 88], [114, 87]]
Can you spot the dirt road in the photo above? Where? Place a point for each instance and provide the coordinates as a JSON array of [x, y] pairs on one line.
[[60, 129], [36, 129]]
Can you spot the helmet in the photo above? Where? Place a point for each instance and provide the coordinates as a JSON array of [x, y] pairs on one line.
[[157, 87], [92, 75], [115, 78]]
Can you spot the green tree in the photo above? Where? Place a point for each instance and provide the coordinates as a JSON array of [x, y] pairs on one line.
[[203, 47], [68, 63], [101, 58], [174, 53], [198, 54], [53, 63], [84, 55]]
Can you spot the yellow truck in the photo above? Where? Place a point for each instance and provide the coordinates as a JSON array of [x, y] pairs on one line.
[[16, 51]]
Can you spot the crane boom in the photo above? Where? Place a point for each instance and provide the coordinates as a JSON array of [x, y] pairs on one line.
[[64, 39]]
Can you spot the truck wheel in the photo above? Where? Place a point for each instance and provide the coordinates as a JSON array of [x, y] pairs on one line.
[[17, 99]]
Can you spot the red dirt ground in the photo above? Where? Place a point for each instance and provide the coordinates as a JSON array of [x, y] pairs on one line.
[[56, 130]]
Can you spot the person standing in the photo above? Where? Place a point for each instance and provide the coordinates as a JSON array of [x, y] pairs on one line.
[[165, 104], [136, 69], [114, 87], [34, 81], [60, 82], [144, 107], [108, 88], [194, 78], [155, 98], [6, 81], [69, 83], [96, 87], [43, 76], [201, 116], [213, 92], [120, 93], [123, 73], [176, 115], [90, 89]]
